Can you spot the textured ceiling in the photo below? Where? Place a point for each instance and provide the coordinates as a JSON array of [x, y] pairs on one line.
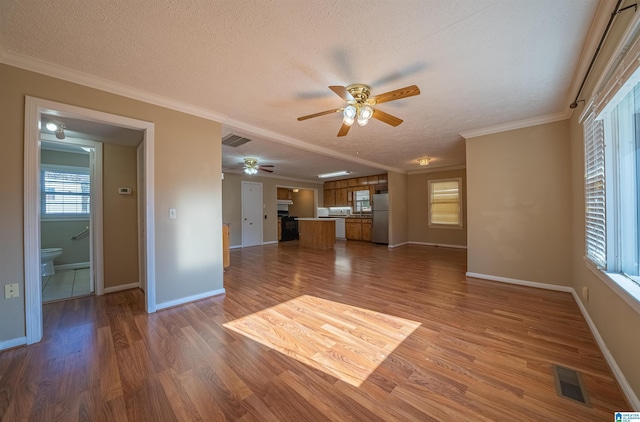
[[258, 65]]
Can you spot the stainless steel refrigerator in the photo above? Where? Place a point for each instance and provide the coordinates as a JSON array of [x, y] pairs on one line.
[[380, 223]]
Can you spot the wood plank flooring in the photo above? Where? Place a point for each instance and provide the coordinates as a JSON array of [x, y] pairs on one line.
[[359, 333]]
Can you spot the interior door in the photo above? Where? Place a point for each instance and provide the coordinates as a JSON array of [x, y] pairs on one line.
[[251, 214], [92, 222]]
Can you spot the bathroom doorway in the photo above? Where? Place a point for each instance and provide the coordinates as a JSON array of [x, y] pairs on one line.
[[35, 110], [68, 181]]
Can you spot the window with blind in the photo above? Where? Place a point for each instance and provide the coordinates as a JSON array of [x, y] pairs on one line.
[[65, 191], [612, 157], [445, 205], [596, 247]]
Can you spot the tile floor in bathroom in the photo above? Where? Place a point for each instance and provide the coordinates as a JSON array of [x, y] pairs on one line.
[[65, 284]]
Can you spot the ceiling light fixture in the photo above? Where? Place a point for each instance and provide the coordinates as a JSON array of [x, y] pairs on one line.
[[251, 166], [334, 174], [423, 161]]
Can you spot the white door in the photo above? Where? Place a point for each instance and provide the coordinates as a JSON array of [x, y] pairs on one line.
[[252, 213]]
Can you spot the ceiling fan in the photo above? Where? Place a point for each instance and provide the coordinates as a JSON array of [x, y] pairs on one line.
[[251, 166], [360, 105]]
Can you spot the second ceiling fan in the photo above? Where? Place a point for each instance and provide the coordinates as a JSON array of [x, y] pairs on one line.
[[360, 105]]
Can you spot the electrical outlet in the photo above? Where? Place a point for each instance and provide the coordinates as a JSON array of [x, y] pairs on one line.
[[11, 290], [585, 293]]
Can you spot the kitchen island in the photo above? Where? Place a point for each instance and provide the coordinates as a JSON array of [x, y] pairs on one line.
[[317, 233]]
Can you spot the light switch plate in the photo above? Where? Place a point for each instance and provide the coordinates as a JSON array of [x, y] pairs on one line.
[[11, 290], [172, 213]]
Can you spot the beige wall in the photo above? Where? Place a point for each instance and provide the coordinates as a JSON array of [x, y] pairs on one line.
[[187, 177], [398, 212], [303, 204], [120, 239], [519, 202], [418, 210], [232, 203]]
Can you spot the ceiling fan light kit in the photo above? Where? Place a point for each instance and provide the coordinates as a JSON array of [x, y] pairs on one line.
[[251, 167], [360, 105]]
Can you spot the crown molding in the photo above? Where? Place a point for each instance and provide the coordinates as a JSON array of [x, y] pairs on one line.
[[438, 169], [85, 79], [249, 131], [520, 124], [60, 72]]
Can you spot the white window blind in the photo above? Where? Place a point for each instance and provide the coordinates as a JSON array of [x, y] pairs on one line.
[[65, 191], [444, 203], [595, 224]]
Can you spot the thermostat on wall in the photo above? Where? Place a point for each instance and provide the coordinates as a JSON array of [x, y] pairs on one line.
[[124, 191]]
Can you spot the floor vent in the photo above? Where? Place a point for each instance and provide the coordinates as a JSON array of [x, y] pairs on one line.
[[569, 385], [234, 140]]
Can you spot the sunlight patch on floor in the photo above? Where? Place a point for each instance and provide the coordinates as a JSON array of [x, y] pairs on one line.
[[344, 341]]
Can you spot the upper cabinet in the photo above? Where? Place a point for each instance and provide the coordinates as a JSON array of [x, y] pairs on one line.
[[340, 193], [284, 193]]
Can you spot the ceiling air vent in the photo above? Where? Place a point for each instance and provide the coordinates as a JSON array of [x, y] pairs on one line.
[[234, 141]]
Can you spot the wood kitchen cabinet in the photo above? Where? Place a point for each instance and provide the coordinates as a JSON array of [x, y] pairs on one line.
[[366, 230], [284, 193], [341, 197], [353, 229], [329, 197]]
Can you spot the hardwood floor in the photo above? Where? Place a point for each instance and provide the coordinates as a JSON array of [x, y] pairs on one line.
[[360, 333]]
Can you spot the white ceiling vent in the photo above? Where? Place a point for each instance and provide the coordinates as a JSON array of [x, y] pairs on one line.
[[234, 140]]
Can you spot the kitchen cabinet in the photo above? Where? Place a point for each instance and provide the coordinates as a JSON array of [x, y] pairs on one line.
[[353, 229], [279, 229], [372, 180], [329, 197], [366, 230], [341, 183], [284, 193], [341, 197], [362, 181]]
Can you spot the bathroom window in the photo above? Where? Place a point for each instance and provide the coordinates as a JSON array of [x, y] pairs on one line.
[[65, 191]]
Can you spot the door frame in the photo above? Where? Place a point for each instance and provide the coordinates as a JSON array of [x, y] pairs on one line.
[[242, 205], [34, 108]]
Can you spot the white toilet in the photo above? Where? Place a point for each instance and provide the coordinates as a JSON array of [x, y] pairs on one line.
[[47, 256]]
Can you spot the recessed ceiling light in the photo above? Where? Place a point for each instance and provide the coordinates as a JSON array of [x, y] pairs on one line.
[[423, 161], [51, 126], [334, 174]]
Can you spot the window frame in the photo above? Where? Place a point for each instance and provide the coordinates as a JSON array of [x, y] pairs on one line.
[[44, 167], [431, 224]]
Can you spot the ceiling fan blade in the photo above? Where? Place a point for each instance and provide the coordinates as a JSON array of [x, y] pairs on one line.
[[322, 113], [267, 170], [386, 117], [408, 91], [266, 165], [342, 92], [344, 130]]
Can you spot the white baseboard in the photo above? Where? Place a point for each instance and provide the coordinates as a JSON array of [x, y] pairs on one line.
[[397, 245], [235, 247], [14, 342], [74, 266], [121, 287], [438, 245], [626, 388], [521, 282], [615, 369], [188, 299], [273, 242]]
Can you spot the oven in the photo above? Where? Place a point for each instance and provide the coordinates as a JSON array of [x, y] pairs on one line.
[[289, 228]]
